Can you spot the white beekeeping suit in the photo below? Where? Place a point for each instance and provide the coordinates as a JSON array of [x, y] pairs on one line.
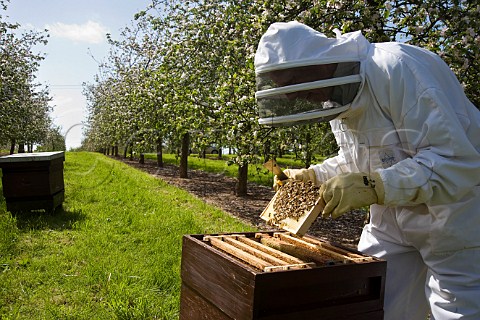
[[410, 123]]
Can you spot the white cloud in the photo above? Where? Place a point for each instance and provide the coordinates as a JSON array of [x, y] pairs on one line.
[[90, 32]]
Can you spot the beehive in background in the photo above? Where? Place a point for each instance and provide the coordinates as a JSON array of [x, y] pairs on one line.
[[33, 181]]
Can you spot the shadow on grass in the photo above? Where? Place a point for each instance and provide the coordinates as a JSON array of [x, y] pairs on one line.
[[60, 219]]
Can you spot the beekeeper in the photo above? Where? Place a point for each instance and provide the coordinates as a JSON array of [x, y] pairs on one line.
[[409, 144]]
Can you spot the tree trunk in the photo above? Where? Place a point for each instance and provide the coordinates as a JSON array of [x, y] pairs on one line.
[[220, 153], [21, 148], [159, 153], [280, 153], [295, 151], [266, 151], [131, 151], [12, 146], [125, 151], [142, 158], [242, 180], [116, 150], [184, 156]]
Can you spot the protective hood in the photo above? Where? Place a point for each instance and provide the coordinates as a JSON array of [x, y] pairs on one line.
[[303, 76]]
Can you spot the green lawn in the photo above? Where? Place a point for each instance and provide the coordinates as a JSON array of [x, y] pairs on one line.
[[114, 252]]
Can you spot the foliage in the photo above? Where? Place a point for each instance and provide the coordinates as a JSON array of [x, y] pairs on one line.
[[24, 109], [113, 252], [54, 141]]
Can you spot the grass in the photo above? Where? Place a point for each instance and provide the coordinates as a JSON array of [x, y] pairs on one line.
[[112, 252], [256, 172]]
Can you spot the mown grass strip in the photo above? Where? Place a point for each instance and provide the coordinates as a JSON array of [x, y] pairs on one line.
[[113, 252]]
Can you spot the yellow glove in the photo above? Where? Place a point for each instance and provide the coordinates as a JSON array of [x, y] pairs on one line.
[[349, 191], [297, 174]]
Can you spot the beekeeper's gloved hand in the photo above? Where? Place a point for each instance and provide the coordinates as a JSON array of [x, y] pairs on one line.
[[349, 191], [297, 174]]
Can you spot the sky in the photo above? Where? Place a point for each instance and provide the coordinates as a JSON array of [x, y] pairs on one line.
[[76, 45]]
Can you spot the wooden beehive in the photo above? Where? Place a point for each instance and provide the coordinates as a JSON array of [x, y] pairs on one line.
[[276, 275], [33, 181]]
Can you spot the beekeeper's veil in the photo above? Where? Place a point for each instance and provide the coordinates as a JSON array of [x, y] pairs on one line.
[[303, 76]]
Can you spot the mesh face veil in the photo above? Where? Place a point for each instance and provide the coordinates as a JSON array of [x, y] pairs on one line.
[[300, 102], [297, 79]]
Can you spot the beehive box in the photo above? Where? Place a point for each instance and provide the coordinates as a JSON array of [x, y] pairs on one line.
[[33, 181], [276, 275]]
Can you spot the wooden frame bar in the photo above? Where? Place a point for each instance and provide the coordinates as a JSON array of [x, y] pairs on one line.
[[256, 254], [324, 249]]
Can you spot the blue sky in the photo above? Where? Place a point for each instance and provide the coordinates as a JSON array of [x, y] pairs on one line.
[[77, 31]]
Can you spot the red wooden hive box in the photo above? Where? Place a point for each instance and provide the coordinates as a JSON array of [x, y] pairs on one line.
[[232, 276]]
